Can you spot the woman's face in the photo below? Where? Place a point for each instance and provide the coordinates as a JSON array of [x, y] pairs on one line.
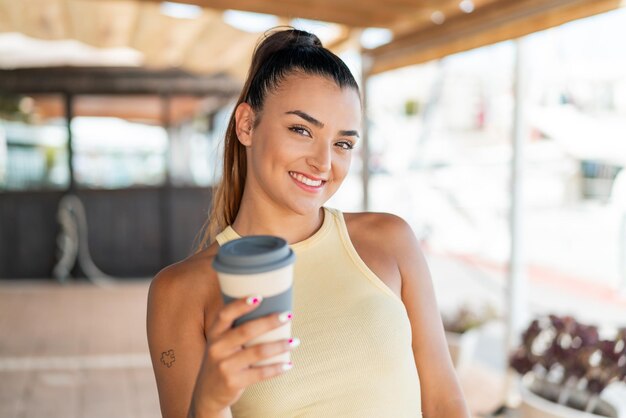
[[299, 153]]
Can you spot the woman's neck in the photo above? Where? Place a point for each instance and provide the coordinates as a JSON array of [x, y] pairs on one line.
[[293, 227]]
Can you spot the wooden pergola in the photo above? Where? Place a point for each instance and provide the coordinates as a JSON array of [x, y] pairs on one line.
[[422, 29]]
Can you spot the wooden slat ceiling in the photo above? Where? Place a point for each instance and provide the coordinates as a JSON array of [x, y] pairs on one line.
[[205, 44], [208, 45], [495, 22], [417, 37], [354, 13]]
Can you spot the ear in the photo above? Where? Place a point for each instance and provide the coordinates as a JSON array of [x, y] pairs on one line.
[[244, 123]]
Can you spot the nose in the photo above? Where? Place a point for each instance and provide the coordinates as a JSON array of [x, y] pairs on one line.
[[320, 157]]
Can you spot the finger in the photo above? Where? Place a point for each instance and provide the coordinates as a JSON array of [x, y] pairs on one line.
[[230, 312], [232, 340], [246, 357], [257, 374]]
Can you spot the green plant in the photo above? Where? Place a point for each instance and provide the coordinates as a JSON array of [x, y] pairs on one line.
[[411, 107]]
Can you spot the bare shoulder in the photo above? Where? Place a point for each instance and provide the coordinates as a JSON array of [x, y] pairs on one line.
[[376, 219], [382, 229], [189, 283], [188, 270], [380, 240]]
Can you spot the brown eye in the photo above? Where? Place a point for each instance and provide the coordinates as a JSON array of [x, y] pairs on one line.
[[300, 130], [346, 145]]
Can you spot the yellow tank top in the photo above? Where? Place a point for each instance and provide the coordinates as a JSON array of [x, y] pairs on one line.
[[355, 357]]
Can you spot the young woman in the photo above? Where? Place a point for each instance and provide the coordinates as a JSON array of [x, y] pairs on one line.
[[372, 341]]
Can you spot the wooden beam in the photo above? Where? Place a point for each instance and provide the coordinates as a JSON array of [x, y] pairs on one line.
[[164, 40], [500, 21], [390, 9], [352, 15], [209, 18], [426, 3], [6, 23], [102, 24], [67, 20], [37, 18], [223, 41], [421, 18], [107, 80], [345, 37], [144, 108]]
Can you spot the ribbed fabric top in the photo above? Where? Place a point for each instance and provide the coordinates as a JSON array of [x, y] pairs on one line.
[[355, 357]]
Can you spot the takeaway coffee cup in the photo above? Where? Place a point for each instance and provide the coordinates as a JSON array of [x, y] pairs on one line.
[[258, 265]]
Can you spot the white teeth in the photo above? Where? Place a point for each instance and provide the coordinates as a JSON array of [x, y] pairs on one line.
[[305, 180]]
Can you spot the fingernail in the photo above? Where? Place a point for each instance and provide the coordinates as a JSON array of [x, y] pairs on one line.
[[285, 316], [287, 366], [294, 342], [254, 300]]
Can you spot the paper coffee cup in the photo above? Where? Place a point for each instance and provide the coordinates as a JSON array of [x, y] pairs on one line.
[[258, 265]]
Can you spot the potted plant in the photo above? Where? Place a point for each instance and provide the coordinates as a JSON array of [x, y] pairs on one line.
[[565, 366], [462, 331]]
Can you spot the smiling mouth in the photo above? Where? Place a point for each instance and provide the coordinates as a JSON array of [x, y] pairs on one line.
[[306, 181]]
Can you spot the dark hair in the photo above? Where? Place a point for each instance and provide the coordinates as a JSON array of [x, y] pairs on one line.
[[280, 52], [284, 52]]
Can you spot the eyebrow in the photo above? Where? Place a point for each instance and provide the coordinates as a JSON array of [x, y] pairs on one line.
[[349, 133], [319, 124]]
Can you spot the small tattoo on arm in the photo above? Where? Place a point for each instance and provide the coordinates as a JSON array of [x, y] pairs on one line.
[[168, 358]]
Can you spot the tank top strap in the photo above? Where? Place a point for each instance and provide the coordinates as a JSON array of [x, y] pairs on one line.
[[355, 258], [228, 234]]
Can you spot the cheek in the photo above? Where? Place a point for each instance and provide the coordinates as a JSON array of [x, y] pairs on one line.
[[279, 147], [267, 151], [341, 166]]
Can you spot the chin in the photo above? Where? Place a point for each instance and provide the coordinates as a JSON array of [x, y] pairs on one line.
[[305, 206], [306, 209], [298, 202]]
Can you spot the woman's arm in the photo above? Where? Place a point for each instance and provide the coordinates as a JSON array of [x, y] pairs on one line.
[[442, 396], [175, 327]]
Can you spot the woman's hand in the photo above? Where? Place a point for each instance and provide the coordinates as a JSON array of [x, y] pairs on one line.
[[226, 367]]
